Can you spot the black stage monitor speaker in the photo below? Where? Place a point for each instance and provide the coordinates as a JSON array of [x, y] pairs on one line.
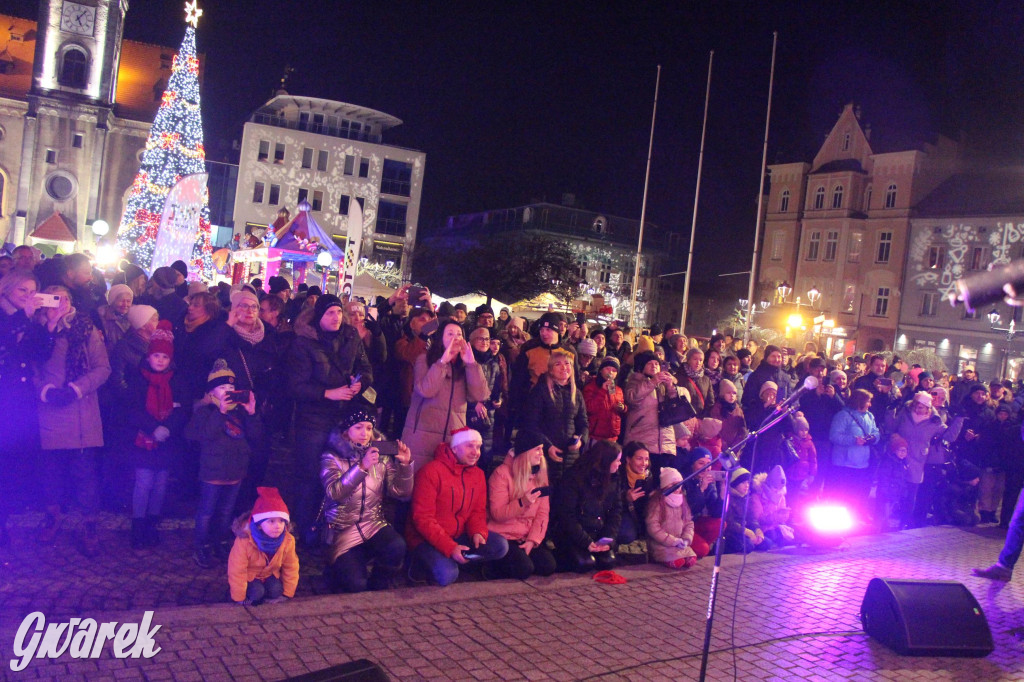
[[925, 618], [361, 670]]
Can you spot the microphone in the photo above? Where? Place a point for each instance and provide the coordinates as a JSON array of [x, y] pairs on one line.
[[992, 286], [810, 383]]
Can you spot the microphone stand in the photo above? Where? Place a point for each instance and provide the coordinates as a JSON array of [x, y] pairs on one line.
[[729, 462]]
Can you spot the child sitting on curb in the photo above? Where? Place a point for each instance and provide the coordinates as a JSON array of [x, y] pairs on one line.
[[263, 565], [670, 525]]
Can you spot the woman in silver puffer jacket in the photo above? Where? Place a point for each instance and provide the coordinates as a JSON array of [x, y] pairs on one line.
[[356, 479]]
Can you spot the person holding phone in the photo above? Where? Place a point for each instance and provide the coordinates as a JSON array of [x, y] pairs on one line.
[[326, 369], [449, 513], [25, 341], [636, 484], [519, 504], [447, 378], [852, 432], [554, 408], [587, 510], [356, 479]]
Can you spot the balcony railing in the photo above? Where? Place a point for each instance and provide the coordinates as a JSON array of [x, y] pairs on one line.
[[318, 128], [401, 188]]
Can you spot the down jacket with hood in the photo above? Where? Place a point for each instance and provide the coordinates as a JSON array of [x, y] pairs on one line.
[[448, 499], [316, 363], [439, 405], [247, 562], [353, 507], [665, 526]]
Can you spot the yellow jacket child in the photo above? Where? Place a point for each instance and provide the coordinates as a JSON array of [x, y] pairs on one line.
[[263, 565]]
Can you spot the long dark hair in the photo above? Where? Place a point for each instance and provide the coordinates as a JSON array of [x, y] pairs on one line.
[[436, 349], [597, 462]]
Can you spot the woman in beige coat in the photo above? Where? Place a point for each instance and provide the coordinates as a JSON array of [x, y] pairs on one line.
[[70, 427], [446, 378]]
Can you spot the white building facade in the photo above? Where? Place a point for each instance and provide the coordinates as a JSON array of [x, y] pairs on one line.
[[331, 154]]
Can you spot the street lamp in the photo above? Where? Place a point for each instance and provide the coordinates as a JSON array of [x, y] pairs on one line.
[[750, 310], [813, 295], [1011, 333], [784, 290], [100, 227]]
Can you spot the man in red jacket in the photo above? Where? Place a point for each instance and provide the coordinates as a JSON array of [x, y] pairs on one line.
[[449, 512]]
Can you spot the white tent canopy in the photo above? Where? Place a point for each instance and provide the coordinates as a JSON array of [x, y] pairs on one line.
[[472, 300]]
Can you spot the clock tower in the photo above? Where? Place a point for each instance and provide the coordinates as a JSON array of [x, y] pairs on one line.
[[78, 49]]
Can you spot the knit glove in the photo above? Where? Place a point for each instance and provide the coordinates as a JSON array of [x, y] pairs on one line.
[[161, 433], [59, 397]]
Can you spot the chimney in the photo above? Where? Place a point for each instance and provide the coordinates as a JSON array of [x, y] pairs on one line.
[[856, 111]]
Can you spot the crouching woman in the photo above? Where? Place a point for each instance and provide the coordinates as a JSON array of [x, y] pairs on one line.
[[356, 479], [519, 506]]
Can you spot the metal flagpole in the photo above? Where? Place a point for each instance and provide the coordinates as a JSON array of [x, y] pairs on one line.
[[643, 208], [696, 197], [760, 198]]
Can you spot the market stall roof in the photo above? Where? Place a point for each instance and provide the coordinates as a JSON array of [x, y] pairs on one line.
[[56, 228], [369, 287], [301, 230], [472, 300]]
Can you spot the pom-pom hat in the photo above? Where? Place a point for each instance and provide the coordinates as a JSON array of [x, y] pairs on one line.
[[269, 505], [162, 340], [220, 374]]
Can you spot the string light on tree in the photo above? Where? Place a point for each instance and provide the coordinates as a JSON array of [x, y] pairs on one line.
[[173, 151]]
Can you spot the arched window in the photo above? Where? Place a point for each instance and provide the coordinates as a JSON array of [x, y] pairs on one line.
[[890, 196], [819, 198], [837, 197], [784, 201], [74, 68]]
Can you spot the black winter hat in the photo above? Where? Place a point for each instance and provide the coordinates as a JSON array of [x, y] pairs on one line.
[[641, 359], [551, 320], [180, 266], [322, 304], [527, 440], [278, 284]]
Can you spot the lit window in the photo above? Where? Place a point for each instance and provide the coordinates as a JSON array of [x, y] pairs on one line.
[[856, 242], [936, 257], [978, 259], [318, 200], [819, 198]]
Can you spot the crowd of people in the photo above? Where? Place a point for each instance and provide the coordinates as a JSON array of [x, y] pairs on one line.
[[425, 440]]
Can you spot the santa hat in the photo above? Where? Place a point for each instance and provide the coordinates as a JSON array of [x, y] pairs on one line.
[[162, 340], [220, 374], [269, 505], [465, 435], [139, 315]]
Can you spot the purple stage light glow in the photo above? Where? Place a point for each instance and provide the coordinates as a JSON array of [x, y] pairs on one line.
[[830, 519]]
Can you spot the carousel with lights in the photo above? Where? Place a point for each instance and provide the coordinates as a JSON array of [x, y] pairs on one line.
[[298, 247]]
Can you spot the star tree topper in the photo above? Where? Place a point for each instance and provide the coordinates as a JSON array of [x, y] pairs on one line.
[[192, 13]]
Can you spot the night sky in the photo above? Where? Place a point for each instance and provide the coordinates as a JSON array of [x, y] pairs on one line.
[[518, 102]]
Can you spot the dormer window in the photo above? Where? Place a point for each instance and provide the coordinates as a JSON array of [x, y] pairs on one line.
[[74, 68]]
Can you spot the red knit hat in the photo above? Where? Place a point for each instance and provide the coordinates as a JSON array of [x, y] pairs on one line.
[[465, 435], [269, 505], [162, 340]]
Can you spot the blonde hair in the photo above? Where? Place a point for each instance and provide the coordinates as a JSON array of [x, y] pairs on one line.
[[560, 355], [521, 485]]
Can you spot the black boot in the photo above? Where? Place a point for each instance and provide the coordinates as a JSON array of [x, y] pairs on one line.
[[151, 536], [138, 534]]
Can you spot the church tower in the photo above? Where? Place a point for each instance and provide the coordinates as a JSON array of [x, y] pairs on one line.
[[78, 49]]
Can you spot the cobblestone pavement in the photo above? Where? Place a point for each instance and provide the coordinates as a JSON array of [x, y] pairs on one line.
[[796, 618]]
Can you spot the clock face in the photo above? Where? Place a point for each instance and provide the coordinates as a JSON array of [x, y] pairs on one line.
[[80, 19]]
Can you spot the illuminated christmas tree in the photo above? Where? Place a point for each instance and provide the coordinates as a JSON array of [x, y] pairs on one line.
[[174, 150]]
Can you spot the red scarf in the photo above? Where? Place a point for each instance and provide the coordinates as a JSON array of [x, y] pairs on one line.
[[159, 400]]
